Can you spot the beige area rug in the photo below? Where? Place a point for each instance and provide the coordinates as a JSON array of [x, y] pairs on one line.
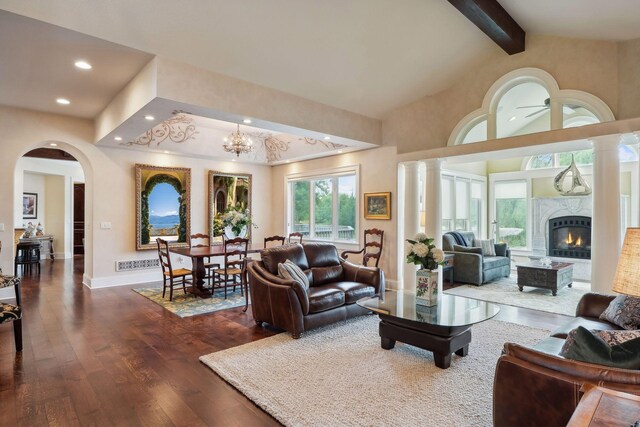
[[187, 305], [339, 376], [505, 291]]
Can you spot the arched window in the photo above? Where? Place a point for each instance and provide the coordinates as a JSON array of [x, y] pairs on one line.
[[527, 101]]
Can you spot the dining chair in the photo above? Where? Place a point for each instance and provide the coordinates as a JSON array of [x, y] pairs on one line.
[[200, 240], [235, 252], [268, 240], [12, 312], [295, 236], [175, 277], [373, 239]]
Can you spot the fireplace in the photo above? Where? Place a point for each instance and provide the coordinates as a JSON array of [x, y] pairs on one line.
[[570, 237]]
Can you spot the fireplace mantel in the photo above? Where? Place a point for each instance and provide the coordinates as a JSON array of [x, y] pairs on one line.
[[545, 208]]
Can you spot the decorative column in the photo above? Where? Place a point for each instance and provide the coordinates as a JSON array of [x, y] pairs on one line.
[[433, 206], [410, 221], [605, 231]]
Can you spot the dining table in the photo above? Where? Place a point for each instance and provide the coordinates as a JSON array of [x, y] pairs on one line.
[[198, 255]]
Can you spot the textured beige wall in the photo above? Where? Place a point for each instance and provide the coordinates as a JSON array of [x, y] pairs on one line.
[[629, 79], [55, 215], [586, 65], [378, 172]]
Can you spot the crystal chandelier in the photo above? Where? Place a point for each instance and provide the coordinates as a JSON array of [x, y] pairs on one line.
[[238, 142]]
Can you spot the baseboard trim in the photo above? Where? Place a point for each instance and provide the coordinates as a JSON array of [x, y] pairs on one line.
[[120, 280]]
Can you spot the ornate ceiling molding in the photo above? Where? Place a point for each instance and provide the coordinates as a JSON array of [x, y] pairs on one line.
[[178, 129], [328, 144]]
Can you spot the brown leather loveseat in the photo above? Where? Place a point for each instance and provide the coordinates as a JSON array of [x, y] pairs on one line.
[[537, 387], [335, 286]]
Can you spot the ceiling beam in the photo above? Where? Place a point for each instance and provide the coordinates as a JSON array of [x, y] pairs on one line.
[[494, 21]]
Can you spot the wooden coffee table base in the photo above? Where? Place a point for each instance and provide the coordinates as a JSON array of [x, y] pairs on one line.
[[442, 341]]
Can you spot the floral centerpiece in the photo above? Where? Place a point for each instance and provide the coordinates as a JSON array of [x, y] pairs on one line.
[[424, 253], [236, 221]]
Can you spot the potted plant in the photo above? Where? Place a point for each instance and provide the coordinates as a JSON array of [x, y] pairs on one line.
[[424, 253], [236, 222]]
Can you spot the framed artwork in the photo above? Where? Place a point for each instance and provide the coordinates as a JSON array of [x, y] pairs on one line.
[[377, 205], [163, 207], [227, 191], [29, 205]]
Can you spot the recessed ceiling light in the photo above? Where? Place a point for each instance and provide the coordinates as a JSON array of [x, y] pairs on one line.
[[118, 138], [288, 161], [148, 117], [327, 137], [53, 144], [84, 65], [233, 160], [63, 101], [339, 151], [246, 121], [512, 118], [166, 152]]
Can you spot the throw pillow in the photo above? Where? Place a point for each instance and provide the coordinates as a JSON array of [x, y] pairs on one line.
[[458, 248], [616, 337], [501, 249], [488, 248], [583, 346], [288, 270], [623, 311]]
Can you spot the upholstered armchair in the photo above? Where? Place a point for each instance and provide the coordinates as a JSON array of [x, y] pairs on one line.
[[471, 265], [11, 312]]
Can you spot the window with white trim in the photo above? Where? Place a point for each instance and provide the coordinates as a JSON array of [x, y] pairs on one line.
[[324, 206], [511, 212]]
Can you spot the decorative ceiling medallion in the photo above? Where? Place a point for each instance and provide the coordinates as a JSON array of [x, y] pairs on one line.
[[177, 129], [328, 144], [579, 187]]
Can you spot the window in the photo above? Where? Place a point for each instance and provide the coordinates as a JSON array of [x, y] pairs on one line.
[[511, 213], [462, 204], [324, 207], [582, 158]]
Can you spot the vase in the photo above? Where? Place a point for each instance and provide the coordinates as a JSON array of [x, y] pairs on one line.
[[427, 287], [230, 234]]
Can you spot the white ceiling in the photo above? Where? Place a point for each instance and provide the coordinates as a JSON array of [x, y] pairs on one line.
[[37, 67], [586, 19]]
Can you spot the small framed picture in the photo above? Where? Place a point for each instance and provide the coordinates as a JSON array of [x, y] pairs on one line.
[[377, 205], [29, 205]]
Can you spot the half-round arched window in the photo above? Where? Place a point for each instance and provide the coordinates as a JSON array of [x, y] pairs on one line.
[[527, 101]]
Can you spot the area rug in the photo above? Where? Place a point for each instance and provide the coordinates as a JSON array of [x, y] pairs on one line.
[[339, 376], [505, 291], [190, 305]]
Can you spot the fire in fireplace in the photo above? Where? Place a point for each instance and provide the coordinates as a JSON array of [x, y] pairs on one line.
[[570, 237]]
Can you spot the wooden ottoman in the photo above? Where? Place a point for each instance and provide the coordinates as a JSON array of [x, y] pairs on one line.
[[553, 277]]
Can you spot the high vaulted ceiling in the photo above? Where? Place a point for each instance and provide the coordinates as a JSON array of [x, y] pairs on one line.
[[366, 56]]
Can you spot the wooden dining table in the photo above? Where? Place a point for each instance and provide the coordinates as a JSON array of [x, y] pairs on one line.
[[198, 255]]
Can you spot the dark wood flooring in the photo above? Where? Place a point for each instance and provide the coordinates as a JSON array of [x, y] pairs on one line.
[[110, 357]]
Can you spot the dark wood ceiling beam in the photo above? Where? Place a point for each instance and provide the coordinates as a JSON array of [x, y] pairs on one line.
[[494, 21]]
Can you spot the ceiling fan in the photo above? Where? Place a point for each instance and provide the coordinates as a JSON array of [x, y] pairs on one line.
[[568, 109]]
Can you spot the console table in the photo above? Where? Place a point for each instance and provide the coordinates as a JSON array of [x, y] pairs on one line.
[[46, 244]]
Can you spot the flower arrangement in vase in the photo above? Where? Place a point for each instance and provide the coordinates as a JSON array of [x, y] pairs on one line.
[[236, 222], [424, 253]]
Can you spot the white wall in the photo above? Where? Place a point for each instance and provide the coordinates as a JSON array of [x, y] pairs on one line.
[[57, 215]]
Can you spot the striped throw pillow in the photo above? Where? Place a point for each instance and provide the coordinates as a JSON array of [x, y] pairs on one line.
[[488, 247], [288, 270]]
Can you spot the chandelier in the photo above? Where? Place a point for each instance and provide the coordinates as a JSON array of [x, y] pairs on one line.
[[238, 142]]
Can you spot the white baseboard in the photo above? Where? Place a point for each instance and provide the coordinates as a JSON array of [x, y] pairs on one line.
[[120, 280]]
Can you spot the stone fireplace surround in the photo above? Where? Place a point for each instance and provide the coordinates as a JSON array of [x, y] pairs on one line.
[[546, 208]]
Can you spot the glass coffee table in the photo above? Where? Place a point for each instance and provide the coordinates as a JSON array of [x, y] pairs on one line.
[[442, 329]]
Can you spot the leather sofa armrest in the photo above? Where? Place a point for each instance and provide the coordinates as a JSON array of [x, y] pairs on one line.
[[372, 276], [593, 305], [272, 280]]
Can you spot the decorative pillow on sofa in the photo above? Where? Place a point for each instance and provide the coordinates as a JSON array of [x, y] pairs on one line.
[[623, 311], [288, 270], [583, 346], [616, 337], [488, 246], [458, 248], [501, 249]]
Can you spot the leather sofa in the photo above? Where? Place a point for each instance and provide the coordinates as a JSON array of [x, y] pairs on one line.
[[537, 387], [335, 286], [475, 268]]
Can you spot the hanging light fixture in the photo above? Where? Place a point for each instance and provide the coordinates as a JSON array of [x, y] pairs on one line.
[[238, 142]]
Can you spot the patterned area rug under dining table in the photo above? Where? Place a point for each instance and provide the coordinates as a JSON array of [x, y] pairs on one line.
[[190, 305]]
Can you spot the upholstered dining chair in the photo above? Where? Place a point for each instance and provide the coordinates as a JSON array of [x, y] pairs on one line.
[[235, 252], [294, 236], [174, 277], [200, 240], [278, 239], [373, 239], [11, 312]]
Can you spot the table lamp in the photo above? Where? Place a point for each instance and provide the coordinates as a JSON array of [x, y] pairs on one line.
[[627, 278]]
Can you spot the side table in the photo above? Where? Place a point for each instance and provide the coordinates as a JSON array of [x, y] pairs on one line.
[[603, 407]]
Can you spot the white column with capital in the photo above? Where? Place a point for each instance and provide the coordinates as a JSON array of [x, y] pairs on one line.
[[433, 205], [410, 221], [605, 231]]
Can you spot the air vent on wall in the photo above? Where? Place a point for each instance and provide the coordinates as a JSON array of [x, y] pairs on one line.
[[138, 264]]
